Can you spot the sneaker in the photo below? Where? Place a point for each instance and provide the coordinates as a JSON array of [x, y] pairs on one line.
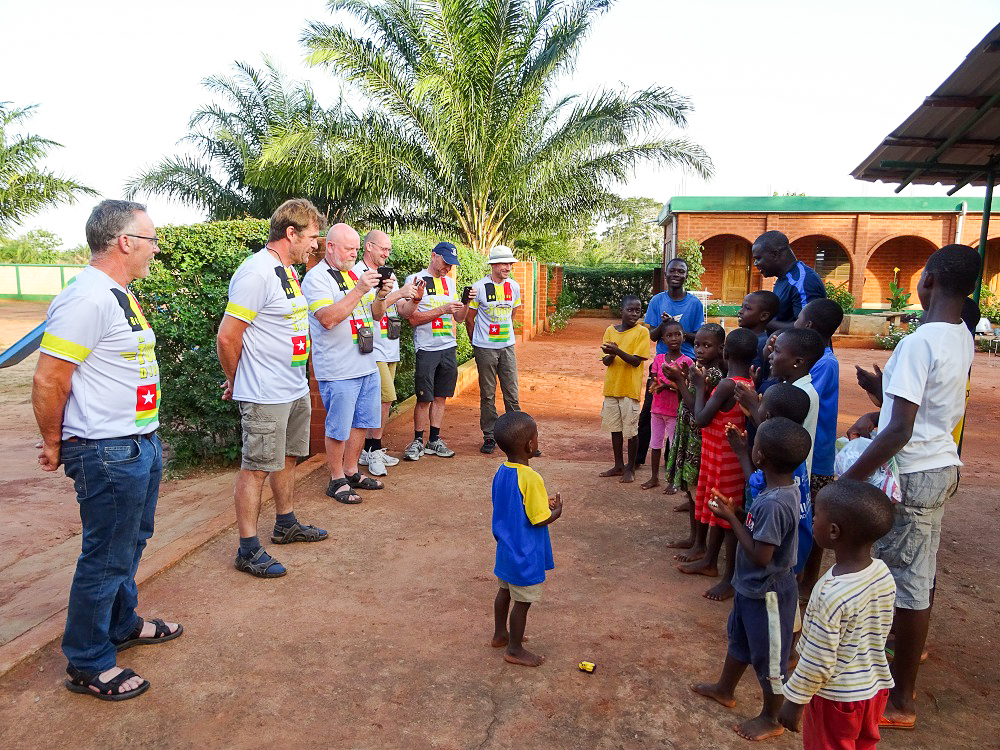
[[489, 445], [414, 451], [376, 466], [365, 457], [386, 458], [438, 448]]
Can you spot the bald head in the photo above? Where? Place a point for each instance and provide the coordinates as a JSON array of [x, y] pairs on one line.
[[377, 246], [342, 245]]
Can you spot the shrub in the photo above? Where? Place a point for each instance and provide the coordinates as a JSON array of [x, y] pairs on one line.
[[989, 305], [896, 333], [594, 288], [897, 299], [714, 309], [841, 296], [691, 251]]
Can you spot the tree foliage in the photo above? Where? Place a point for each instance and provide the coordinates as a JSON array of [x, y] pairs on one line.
[[25, 187], [692, 252], [41, 246], [632, 235], [466, 132]]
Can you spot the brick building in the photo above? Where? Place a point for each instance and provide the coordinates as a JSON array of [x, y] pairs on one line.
[[852, 241]]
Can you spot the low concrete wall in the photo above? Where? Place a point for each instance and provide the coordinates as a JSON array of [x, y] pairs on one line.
[[42, 281]]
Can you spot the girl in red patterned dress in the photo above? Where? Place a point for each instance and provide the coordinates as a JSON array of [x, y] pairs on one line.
[[720, 466]]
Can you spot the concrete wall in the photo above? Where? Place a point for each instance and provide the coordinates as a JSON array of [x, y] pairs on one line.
[[23, 281]]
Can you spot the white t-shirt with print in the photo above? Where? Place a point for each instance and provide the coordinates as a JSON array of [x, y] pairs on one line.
[[386, 349], [335, 350], [494, 305], [929, 368], [439, 334], [96, 324], [267, 295]]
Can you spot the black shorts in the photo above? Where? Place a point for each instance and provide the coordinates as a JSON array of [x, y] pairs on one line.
[[435, 374]]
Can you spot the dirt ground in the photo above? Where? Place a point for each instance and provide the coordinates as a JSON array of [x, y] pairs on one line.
[[378, 638]]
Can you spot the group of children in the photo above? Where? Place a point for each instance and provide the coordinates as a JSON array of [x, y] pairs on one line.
[[749, 428]]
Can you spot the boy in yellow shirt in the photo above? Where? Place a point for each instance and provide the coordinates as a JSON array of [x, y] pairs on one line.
[[625, 347]]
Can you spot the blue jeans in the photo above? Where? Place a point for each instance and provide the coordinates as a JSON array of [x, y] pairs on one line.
[[117, 482]]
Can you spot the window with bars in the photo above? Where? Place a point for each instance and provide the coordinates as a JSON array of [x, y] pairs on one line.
[[832, 263]]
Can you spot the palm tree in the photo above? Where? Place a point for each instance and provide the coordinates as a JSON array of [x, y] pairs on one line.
[[24, 186], [466, 132], [227, 179]]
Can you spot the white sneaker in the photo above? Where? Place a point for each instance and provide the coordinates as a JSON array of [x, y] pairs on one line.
[[365, 457], [387, 459], [438, 448], [414, 451], [375, 465]]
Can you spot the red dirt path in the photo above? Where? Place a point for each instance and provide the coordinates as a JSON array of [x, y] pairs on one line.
[[379, 637]]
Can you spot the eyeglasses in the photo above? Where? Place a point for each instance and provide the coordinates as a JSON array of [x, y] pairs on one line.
[[154, 240], [380, 247]]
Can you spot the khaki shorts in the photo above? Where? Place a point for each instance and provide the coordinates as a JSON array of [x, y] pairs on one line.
[[387, 374], [273, 431], [529, 594], [621, 415]]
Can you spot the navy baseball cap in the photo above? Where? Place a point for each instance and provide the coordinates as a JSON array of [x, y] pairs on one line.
[[447, 251]]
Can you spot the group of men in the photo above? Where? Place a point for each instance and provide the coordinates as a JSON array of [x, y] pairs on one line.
[[97, 358]]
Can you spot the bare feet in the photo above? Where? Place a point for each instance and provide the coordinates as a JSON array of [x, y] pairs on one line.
[[669, 490], [699, 567], [650, 483], [523, 657], [499, 641], [614, 471], [759, 728], [682, 507], [694, 553], [711, 690], [720, 592], [685, 543], [628, 477]]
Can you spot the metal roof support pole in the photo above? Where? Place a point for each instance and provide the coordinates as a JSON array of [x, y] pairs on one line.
[[984, 232]]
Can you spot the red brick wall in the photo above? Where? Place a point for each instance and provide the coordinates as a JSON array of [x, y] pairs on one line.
[[908, 254]]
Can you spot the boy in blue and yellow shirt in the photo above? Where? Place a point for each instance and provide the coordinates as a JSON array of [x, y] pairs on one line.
[[521, 512]]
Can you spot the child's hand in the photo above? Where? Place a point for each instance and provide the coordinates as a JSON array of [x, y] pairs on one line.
[[737, 439], [673, 373], [862, 428], [755, 374], [747, 398], [696, 376], [870, 382], [722, 506], [555, 502], [610, 347], [769, 346], [790, 716]]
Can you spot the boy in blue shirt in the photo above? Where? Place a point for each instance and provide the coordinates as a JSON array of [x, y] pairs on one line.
[[521, 513], [760, 625]]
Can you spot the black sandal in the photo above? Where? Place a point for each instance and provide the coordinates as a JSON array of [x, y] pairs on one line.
[[359, 482], [160, 635], [343, 495], [82, 682], [297, 532]]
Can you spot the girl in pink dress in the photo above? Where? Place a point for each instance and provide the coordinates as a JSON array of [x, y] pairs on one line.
[[663, 415]]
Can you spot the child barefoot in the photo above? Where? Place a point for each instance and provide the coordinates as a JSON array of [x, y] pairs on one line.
[[625, 347], [842, 679], [663, 417], [521, 513], [760, 625], [684, 460], [720, 466]]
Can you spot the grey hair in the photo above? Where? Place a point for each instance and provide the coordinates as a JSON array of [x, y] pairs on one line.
[[109, 220]]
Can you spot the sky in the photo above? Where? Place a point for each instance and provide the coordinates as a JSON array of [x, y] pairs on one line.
[[788, 96]]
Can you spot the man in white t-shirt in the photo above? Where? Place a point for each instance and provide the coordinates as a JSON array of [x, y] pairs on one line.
[[96, 397], [263, 347], [376, 248], [490, 324], [923, 387], [433, 318]]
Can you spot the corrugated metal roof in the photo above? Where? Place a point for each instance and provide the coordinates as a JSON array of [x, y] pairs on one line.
[[966, 108], [811, 204]]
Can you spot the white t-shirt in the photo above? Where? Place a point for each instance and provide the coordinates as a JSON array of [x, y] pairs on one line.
[[439, 333], [335, 351], [386, 349], [96, 323], [812, 418], [494, 305], [929, 368], [272, 368]]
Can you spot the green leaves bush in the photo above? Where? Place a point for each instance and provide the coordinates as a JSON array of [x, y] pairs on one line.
[[594, 288], [841, 296]]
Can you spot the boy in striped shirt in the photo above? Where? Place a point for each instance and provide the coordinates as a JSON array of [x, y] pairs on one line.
[[840, 686]]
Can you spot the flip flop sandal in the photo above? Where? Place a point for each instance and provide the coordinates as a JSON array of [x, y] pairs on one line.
[[343, 495], [359, 482], [160, 635], [297, 532], [82, 682]]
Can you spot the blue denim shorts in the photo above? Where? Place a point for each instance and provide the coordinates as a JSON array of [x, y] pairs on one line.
[[760, 631], [351, 403]]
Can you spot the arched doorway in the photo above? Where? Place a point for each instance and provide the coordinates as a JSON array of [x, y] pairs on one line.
[[991, 266], [727, 267], [908, 254], [826, 256]]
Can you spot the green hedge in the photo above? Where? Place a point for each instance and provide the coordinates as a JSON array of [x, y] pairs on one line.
[[594, 288], [184, 298]]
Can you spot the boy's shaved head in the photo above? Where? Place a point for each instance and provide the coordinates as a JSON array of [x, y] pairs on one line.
[[741, 345], [786, 400], [513, 430], [803, 342], [861, 510], [768, 301], [783, 443], [955, 269], [825, 316], [630, 298]]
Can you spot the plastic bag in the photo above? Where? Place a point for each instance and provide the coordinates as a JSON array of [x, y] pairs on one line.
[[885, 477]]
